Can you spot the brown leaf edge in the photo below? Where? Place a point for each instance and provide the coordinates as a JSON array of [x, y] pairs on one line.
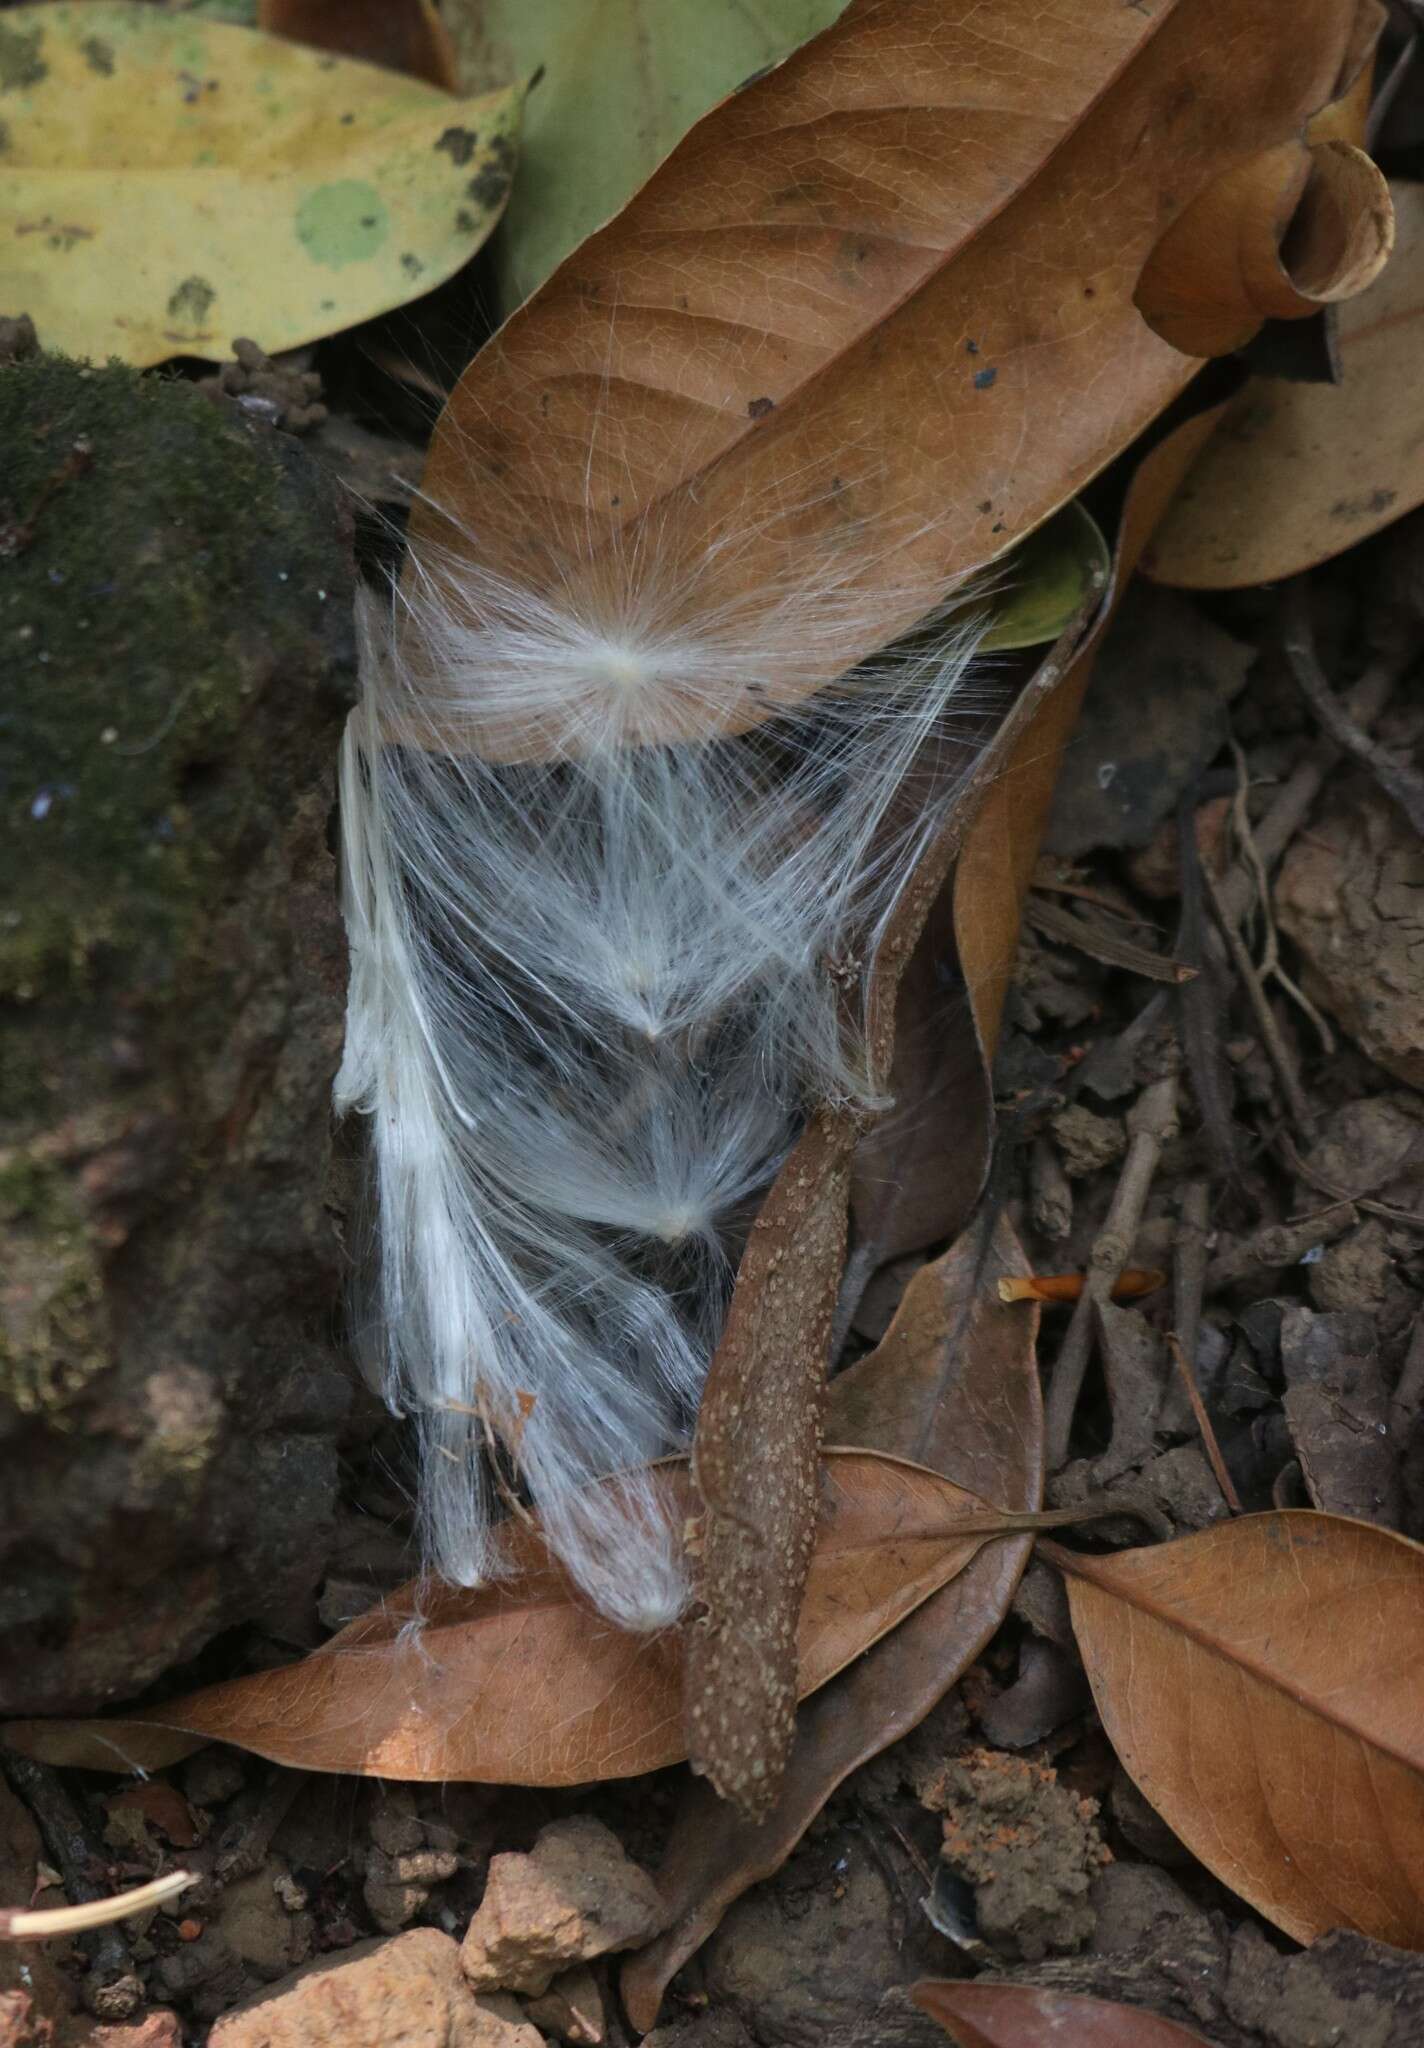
[[1026, 2016], [995, 870], [1301, 225], [1259, 1682], [954, 1385]]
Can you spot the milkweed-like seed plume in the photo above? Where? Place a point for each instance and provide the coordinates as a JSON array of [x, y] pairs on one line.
[[593, 996]]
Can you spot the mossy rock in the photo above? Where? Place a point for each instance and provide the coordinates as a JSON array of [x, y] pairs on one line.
[[175, 632], [161, 565]]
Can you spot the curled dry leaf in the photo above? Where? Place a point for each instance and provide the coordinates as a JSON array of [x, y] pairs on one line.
[[953, 1386], [518, 1683], [401, 35], [1049, 579], [1260, 1682], [797, 279], [339, 190], [1023, 2016], [1299, 472]]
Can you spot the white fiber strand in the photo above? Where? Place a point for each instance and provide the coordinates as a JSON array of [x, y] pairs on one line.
[[591, 1002]]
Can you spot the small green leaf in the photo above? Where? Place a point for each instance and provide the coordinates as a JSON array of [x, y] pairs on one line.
[[1046, 580]]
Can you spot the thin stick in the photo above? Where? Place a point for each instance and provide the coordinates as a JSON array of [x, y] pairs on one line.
[[1268, 967], [1208, 1434], [25, 1923], [76, 1855], [1290, 806], [1150, 1124], [1409, 1393], [1403, 784], [1050, 1198], [1276, 1048], [1275, 1245], [1189, 1263]]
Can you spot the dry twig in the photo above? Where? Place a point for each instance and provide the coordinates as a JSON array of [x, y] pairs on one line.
[[27, 1923], [1403, 784], [1203, 1420], [1277, 1051], [1150, 1123]]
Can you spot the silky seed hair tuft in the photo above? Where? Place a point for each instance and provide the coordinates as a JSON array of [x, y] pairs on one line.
[[593, 997]]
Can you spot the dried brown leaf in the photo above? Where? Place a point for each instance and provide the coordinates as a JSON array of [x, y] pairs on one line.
[[1260, 1682], [1023, 2016], [518, 1682], [1300, 472], [953, 1386], [796, 280], [995, 870]]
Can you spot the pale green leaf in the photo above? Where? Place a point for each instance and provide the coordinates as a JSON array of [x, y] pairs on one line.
[[623, 81]]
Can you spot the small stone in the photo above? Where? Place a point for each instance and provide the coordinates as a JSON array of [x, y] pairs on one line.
[[397, 1888], [1087, 1141], [406, 1990], [572, 2009], [574, 1896], [395, 1826], [500, 2023], [159, 2028], [213, 1777], [1351, 896], [259, 1928], [20, 2025], [1029, 1846]]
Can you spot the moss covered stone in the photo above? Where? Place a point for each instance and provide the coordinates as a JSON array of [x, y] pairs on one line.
[[176, 651], [159, 565]]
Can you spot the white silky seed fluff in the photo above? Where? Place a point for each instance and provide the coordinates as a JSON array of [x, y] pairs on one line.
[[591, 1001]]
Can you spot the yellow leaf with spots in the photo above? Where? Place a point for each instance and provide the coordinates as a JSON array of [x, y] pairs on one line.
[[168, 182]]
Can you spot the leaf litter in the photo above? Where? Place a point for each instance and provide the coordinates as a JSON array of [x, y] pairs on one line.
[[954, 1387]]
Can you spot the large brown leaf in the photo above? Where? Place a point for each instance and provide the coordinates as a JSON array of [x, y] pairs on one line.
[[1023, 2016], [518, 1683], [954, 1386], [1261, 1682], [936, 212], [1300, 472]]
